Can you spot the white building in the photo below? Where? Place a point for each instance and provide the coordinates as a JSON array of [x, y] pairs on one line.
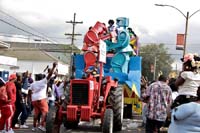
[[35, 57]]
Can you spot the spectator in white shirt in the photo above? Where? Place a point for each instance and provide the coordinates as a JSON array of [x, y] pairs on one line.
[[39, 98]]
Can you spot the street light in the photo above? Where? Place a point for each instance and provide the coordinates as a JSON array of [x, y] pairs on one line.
[[186, 24]]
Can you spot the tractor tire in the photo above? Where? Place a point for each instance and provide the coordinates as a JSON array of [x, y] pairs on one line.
[[116, 99], [51, 116], [107, 126]]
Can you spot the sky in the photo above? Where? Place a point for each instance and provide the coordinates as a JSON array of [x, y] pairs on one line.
[[153, 24]]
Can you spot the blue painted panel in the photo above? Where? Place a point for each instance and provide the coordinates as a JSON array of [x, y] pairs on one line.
[[79, 61], [135, 77], [135, 63], [80, 65], [107, 66], [122, 77]]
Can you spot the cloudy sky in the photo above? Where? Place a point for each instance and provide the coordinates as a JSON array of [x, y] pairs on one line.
[[151, 23]]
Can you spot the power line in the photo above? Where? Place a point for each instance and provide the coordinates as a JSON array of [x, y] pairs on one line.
[[22, 29], [24, 24], [45, 37]]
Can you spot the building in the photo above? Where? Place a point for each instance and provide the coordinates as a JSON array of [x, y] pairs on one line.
[[35, 57], [6, 61]]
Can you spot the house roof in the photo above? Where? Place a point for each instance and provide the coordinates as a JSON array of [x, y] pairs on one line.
[[27, 55], [4, 45], [39, 51]]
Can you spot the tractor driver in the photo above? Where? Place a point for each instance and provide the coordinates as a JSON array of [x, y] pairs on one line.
[[94, 70]]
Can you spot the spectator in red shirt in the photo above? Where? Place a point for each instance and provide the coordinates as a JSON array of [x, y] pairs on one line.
[[11, 92], [11, 89], [3, 115]]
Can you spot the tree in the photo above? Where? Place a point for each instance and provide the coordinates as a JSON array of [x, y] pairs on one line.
[[155, 57]]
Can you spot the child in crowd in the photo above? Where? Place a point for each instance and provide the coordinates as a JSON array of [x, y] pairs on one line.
[[112, 30]]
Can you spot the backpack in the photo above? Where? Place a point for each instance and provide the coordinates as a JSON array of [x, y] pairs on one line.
[[3, 94]]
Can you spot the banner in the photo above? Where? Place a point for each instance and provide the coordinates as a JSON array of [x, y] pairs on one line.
[[180, 41], [102, 51], [62, 69]]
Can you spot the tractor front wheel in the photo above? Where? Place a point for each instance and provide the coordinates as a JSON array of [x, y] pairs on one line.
[[116, 99], [107, 126]]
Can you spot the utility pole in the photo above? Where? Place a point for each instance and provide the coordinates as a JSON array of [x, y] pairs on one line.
[[187, 17], [74, 22], [186, 30], [154, 72]]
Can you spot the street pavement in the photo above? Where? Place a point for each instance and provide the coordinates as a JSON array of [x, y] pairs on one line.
[[129, 126]]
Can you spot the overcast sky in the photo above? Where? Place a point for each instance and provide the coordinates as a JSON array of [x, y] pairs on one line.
[[151, 23]]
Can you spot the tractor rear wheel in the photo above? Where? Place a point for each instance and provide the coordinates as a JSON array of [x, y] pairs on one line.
[[107, 126], [51, 116], [116, 99]]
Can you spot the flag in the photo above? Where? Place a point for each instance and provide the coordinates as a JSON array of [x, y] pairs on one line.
[[180, 41]]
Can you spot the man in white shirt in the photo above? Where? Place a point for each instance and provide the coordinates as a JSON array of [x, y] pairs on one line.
[[39, 98]]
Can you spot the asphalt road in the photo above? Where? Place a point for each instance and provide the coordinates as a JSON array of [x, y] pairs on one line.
[[129, 125]]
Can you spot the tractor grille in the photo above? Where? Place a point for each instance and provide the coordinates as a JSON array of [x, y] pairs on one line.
[[80, 94]]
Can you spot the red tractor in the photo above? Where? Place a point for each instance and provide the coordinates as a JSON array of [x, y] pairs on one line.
[[94, 97], [90, 99], [102, 93]]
